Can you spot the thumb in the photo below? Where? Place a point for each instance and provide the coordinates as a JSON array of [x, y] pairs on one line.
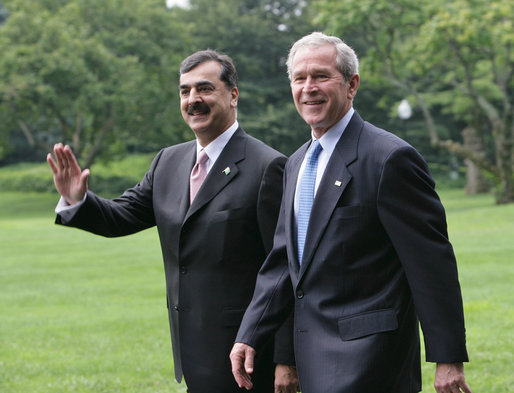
[[84, 176], [249, 356]]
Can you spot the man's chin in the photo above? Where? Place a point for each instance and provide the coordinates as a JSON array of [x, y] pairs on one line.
[[314, 122], [313, 116], [198, 122]]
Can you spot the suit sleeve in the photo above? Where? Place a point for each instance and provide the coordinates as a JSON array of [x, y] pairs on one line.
[[271, 309], [415, 221], [127, 214], [269, 205]]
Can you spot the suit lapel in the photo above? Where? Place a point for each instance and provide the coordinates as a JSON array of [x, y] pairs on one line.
[[181, 172], [224, 170], [332, 185]]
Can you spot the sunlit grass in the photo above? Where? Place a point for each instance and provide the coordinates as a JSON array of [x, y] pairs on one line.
[[482, 234], [81, 313]]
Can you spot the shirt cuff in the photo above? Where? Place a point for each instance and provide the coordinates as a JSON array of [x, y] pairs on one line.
[[65, 208]]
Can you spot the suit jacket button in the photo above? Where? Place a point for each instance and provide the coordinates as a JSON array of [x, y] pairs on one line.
[[299, 294], [183, 269], [175, 308]]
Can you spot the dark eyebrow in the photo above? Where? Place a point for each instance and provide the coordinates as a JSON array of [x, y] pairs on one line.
[[197, 84]]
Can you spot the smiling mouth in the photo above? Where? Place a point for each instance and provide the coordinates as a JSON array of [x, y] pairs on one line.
[[313, 102]]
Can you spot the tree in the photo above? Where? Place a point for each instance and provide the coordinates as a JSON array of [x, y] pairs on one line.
[[257, 35], [450, 56], [3, 14], [99, 75]]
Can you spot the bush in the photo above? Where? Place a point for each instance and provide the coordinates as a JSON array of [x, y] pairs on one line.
[[109, 186], [26, 178], [106, 179]]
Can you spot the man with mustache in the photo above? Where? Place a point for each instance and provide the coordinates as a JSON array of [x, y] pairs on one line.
[[361, 248], [215, 202]]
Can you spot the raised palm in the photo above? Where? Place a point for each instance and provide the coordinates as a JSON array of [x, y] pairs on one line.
[[70, 181]]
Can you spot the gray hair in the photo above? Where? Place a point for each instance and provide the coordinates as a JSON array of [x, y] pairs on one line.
[[346, 60]]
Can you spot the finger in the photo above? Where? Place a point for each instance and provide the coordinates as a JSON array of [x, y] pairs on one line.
[[249, 361], [242, 378], [84, 176], [68, 163], [59, 155], [285, 389], [70, 157], [465, 388], [458, 385], [247, 382], [240, 375], [52, 163]]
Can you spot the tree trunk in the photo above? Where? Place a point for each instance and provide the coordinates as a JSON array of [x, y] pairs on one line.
[[32, 140], [476, 182], [504, 147], [97, 145]]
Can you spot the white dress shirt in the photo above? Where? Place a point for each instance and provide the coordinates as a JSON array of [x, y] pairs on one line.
[[214, 149], [328, 142]]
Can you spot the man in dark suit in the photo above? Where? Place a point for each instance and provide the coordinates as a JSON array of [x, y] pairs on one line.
[[214, 236], [376, 256]]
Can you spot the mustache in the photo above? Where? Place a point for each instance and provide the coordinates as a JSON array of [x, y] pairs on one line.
[[198, 107]]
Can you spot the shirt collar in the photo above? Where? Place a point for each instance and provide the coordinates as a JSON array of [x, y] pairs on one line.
[[330, 138], [214, 149]]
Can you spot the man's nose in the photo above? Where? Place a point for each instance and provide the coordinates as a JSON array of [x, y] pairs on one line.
[[310, 84], [194, 96]]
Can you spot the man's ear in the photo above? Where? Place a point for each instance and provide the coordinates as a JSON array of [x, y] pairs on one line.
[[353, 85], [235, 96]]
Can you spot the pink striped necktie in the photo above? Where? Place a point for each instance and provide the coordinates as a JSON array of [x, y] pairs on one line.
[[198, 174]]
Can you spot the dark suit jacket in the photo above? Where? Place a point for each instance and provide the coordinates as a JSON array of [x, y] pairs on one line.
[[212, 249], [376, 258]]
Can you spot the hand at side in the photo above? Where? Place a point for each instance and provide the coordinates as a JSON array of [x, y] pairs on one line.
[[242, 357], [449, 378], [286, 379]]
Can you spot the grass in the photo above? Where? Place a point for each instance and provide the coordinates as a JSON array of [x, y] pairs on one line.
[[482, 234], [81, 313]]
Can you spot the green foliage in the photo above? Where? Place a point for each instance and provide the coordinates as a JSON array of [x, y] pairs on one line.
[[449, 58], [26, 178], [4, 14], [108, 179], [102, 75], [91, 73], [257, 35]]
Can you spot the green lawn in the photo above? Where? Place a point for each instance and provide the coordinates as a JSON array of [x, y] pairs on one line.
[[80, 313]]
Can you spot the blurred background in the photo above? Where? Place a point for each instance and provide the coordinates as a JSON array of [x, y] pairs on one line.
[[102, 75], [79, 313]]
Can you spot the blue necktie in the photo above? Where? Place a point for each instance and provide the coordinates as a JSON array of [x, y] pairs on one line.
[[306, 194]]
